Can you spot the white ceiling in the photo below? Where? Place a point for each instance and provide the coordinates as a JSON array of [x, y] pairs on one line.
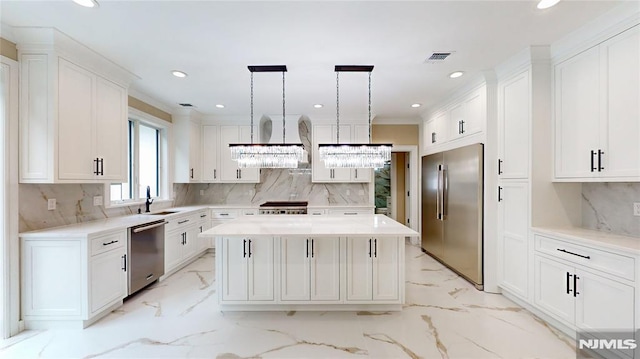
[[214, 41]]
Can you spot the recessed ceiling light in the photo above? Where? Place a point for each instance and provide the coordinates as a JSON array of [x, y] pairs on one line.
[[416, 105], [87, 3], [455, 75], [220, 105], [545, 4], [180, 74], [318, 105]]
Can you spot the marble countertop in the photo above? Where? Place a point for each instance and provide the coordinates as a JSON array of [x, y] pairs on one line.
[[363, 225], [100, 226], [597, 238]]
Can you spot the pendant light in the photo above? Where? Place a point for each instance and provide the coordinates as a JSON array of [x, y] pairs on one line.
[[353, 155], [267, 155]]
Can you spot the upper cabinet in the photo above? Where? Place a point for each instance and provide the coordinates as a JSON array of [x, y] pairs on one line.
[[597, 131], [348, 134], [460, 119], [210, 154], [73, 118], [514, 115], [188, 149], [229, 168]]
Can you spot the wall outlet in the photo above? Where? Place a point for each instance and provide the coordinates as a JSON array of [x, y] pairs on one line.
[[636, 209], [51, 204], [202, 192], [97, 200]]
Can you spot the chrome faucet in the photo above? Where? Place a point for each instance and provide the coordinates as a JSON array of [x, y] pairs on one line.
[[149, 200]]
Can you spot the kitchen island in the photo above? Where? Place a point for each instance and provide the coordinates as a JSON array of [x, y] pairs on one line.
[[303, 262]]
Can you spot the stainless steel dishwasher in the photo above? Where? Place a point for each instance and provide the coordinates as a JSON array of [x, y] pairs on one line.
[[146, 254]]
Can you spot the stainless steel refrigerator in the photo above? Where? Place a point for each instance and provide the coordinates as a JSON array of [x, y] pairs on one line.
[[452, 202]]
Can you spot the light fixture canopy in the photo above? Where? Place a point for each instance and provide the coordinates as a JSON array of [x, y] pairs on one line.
[[87, 3], [353, 155], [255, 155]]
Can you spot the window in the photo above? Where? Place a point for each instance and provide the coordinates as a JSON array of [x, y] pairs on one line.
[[144, 164]]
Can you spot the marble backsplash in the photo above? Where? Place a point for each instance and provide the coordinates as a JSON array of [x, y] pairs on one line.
[[276, 185], [75, 201], [609, 207]]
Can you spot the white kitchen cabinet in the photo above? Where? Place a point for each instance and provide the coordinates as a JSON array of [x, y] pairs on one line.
[[361, 135], [248, 268], [108, 278], [436, 130], [210, 154], [514, 118], [345, 211], [91, 270], [585, 288], [73, 126], [467, 116], [596, 112], [310, 269], [181, 241], [204, 224], [327, 134], [513, 229], [188, 165], [372, 269], [228, 167]]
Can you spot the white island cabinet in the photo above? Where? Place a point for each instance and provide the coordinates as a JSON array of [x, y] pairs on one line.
[[294, 262]]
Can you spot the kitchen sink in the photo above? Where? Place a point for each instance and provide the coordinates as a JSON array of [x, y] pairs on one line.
[[164, 213]]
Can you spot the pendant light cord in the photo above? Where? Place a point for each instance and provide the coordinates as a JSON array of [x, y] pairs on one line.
[[283, 107], [251, 107], [338, 107]]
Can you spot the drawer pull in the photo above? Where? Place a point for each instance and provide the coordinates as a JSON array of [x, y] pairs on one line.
[[575, 254], [224, 214], [185, 221], [350, 213], [108, 243], [203, 215]]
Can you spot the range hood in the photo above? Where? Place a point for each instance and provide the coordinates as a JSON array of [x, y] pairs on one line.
[[271, 131]]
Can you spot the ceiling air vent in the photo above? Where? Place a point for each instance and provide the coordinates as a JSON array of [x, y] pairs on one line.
[[438, 57], [185, 104]]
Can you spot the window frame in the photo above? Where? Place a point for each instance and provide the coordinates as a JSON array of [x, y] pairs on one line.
[[134, 118]]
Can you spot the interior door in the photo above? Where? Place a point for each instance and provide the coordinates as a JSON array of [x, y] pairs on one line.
[[432, 226], [462, 203]]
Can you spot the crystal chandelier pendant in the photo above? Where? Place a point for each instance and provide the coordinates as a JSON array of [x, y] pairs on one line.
[[267, 155], [353, 155], [256, 155]]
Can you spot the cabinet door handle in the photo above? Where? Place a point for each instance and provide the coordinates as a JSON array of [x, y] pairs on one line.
[[375, 248], [312, 248], [215, 174], [200, 229], [239, 174], [499, 166], [244, 248], [575, 285], [568, 285], [356, 173], [369, 247], [433, 137], [97, 171], [191, 174], [593, 153], [102, 166], [575, 254], [499, 194], [124, 262], [462, 126], [249, 248], [108, 243], [307, 248], [600, 153], [203, 215]]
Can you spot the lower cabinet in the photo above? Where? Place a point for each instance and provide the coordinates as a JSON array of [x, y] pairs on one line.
[[373, 269], [248, 269], [582, 298], [310, 269], [180, 245], [72, 280]]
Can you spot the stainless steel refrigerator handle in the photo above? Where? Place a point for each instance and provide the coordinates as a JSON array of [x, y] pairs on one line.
[[438, 213], [140, 229], [445, 190]]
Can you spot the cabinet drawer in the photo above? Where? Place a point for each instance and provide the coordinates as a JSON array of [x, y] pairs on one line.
[[316, 212], [181, 222], [250, 212], [614, 264], [108, 242], [224, 214], [349, 212]]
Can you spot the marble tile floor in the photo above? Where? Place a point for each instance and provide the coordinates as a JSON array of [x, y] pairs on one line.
[[444, 317]]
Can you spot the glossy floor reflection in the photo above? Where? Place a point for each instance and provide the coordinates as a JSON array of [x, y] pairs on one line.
[[444, 317]]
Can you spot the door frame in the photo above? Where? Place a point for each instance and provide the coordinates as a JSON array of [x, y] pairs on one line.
[[9, 245], [412, 153]]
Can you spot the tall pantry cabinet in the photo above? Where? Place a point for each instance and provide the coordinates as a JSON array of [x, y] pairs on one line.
[[73, 118]]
